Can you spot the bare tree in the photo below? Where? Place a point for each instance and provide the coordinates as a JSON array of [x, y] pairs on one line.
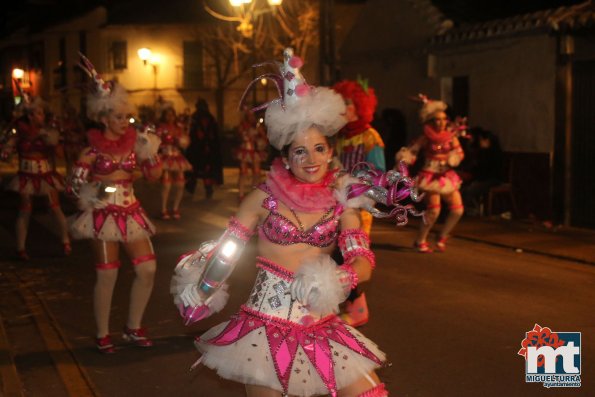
[[241, 37]]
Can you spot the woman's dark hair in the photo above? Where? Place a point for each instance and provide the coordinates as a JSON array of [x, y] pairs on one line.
[[164, 112]]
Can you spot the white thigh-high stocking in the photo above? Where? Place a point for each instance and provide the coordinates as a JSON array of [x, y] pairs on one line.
[[142, 286], [430, 217], [102, 298], [22, 225], [178, 194], [61, 223], [452, 219], [165, 189]]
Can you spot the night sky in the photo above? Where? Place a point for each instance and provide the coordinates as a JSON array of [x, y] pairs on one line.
[[37, 14]]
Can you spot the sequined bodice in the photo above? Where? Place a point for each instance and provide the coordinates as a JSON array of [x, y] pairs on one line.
[[167, 139], [105, 164], [437, 149], [29, 140], [26, 147], [278, 229]]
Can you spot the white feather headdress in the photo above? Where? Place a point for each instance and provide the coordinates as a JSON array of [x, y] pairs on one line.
[[28, 102], [299, 106], [105, 95], [429, 107]]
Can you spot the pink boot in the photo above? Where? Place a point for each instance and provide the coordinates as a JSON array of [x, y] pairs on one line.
[[356, 312]]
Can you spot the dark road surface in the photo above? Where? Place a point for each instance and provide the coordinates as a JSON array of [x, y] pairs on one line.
[[451, 323]]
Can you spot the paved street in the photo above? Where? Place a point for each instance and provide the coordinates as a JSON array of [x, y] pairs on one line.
[[450, 323]]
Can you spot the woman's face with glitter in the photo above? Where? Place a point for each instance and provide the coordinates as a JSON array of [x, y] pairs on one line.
[[170, 116], [440, 121], [309, 156], [116, 121], [37, 116]]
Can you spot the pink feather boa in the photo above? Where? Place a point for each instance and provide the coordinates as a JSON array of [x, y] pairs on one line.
[[437, 137], [300, 196], [119, 146]]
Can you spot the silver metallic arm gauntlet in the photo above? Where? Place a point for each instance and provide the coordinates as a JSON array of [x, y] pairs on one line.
[[198, 284], [78, 177]]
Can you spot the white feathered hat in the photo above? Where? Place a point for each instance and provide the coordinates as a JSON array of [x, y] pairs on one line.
[[28, 102], [105, 95], [429, 107], [299, 106]]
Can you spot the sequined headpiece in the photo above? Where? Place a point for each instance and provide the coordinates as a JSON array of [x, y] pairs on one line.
[[299, 105], [28, 102], [429, 107], [104, 95]]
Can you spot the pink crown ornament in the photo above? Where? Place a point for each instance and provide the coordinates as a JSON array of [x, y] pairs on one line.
[[299, 105], [102, 87], [295, 85], [429, 107], [104, 95]]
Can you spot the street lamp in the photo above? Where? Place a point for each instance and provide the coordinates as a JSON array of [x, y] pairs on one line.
[[18, 73], [144, 54], [245, 12], [150, 58]]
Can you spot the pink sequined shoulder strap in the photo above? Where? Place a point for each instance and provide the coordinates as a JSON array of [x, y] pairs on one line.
[[270, 202]]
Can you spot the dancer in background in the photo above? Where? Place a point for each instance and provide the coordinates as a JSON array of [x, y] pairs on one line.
[[174, 139], [204, 152], [286, 339], [73, 133], [250, 152], [437, 178], [35, 142], [110, 213], [358, 142]]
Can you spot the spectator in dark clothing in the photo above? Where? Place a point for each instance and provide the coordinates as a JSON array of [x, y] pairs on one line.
[[485, 170], [393, 129], [204, 152]]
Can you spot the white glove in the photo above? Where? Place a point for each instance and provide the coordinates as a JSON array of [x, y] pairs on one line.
[[405, 155], [88, 196], [146, 146], [190, 296], [305, 289], [454, 159], [50, 136], [317, 285]]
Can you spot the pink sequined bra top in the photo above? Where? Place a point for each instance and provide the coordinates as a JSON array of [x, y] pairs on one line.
[[278, 229], [104, 164]]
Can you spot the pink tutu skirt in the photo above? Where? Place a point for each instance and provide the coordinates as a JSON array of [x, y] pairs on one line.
[[441, 183], [112, 223], [278, 343], [176, 162], [36, 177]]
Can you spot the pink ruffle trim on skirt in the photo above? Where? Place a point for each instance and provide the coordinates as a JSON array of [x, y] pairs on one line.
[[36, 184], [255, 347], [175, 163], [112, 223], [441, 183]]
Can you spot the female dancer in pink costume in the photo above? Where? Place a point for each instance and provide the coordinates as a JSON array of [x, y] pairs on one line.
[[250, 152], [35, 143], [173, 140], [287, 339], [110, 214], [437, 178]]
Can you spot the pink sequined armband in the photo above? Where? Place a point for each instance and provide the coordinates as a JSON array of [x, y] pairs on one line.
[[352, 275], [149, 165], [236, 229], [355, 242]]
